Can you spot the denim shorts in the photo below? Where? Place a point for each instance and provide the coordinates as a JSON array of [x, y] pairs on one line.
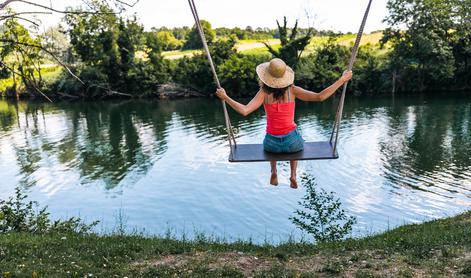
[[289, 143]]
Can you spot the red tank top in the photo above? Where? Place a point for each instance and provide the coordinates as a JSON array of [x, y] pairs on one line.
[[280, 117]]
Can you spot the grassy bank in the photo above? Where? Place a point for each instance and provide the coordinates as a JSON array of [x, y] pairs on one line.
[[437, 248]]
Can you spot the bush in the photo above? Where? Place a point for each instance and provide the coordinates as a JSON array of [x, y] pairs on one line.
[[193, 73], [318, 70], [238, 75], [323, 217], [325, 66], [370, 74], [19, 215], [236, 72]]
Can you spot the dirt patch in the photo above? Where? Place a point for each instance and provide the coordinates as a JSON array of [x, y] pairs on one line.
[[324, 264], [247, 264]]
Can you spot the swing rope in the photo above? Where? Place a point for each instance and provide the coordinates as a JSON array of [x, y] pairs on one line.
[[229, 128], [338, 116]]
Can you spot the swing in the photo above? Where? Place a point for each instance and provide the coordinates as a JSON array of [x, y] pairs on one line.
[[255, 152]]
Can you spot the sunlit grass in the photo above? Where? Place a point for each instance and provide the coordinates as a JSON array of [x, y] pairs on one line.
[[49, 74], [372, 38], [260, 50], [177, 54], [256, 47]]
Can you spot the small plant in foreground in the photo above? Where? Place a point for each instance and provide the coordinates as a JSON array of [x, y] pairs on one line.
[[323, 218], [19, 215]]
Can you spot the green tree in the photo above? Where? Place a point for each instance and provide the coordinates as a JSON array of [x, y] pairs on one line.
[[462, 42], [291, 46], [168, 40], [422, 54], [21, 57], [108, 48], [181, 33], [193, 40]]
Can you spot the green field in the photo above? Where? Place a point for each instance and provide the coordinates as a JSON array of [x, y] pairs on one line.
[[48, 72], [254, 47], [177, 54]]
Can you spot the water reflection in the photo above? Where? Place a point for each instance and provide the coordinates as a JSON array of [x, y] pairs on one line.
[[428, 145], [404, 160]]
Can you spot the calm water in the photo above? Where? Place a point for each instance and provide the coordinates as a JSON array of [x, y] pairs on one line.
[[163, 164]]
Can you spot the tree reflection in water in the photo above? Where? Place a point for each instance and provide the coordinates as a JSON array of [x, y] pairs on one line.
[[117, 140]]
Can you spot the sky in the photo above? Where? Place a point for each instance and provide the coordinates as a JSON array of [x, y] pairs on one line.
[[337, 15]]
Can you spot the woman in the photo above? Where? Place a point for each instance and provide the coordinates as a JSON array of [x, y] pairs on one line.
[[278, 94]]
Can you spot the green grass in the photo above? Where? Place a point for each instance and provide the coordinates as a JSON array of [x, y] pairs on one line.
[[259, 50], [176, 54], [252, 47], [438, 248], [49, 74]]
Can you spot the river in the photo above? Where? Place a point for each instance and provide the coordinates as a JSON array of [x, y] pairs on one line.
[[157, 166]]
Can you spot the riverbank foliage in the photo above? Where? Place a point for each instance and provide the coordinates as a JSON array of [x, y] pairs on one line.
[[17, 215], [115, 57]]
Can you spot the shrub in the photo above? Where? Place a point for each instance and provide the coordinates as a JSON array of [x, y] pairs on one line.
[[370, 75], [19, 215], [323, 217], [318, 70], [238, 74]]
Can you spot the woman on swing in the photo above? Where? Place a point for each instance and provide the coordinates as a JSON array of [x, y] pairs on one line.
[[278, 94]]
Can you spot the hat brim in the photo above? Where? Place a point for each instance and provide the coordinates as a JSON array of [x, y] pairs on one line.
[[281, 82]]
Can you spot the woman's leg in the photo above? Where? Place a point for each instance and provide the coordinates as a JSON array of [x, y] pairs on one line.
[[274, 176], [294, 166]]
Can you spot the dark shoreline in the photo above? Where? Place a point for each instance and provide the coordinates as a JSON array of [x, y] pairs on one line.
[[177, 92]]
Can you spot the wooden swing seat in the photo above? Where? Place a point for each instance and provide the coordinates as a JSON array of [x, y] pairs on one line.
[[256, 153]]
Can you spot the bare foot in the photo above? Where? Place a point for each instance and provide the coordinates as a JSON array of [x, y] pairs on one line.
[[274, 179], [294, 183]]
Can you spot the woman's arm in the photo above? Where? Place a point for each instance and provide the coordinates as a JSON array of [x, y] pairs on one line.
[[244, 110], [326, 93]]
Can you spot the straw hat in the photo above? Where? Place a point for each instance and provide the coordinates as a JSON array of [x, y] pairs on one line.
[[275, 73]]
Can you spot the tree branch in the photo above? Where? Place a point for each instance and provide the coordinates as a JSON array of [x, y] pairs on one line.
[[48, 52], [4, 4], [127, 4], [25, 77], [3, 17], [20, 18], [49, 8]]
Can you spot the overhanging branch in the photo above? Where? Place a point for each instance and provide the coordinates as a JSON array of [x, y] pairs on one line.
[[48, 52], [27, 78]]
